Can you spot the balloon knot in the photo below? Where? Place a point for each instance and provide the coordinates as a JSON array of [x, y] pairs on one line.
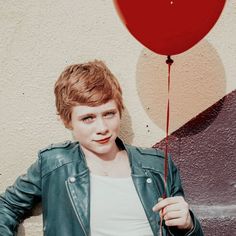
[[169, 60]]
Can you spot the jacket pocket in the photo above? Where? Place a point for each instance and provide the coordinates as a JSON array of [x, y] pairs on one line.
[[158, 181]]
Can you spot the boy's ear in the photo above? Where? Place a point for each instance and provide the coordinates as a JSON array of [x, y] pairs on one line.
[[68, 125], [65, 123]]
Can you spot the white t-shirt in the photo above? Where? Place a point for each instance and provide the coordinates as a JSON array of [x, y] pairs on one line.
[[116, 209]]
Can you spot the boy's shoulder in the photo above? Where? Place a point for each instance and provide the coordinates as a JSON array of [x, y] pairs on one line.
[[58, 154], [146, 151], [149, 158], [60, 145]]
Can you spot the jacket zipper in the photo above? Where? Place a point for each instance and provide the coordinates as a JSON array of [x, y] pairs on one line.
[[73, 205]]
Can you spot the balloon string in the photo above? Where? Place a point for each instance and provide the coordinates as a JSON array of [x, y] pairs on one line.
[[169, 62]]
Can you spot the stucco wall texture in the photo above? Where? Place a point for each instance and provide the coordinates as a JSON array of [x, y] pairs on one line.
[[40, 38]]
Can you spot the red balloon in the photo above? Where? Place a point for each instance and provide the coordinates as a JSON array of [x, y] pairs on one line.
[[169, 27]]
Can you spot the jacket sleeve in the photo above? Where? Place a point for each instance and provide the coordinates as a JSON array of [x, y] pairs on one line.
[[19, 199], [177, 190]]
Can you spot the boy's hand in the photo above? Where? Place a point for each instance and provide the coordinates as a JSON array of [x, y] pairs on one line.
[[175, 212]]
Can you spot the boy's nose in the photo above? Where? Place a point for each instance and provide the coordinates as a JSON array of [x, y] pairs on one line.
[[101, 127]]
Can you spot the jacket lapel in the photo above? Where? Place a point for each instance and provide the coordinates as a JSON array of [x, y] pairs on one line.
[[146, 188], [148, 196], [78, 189]]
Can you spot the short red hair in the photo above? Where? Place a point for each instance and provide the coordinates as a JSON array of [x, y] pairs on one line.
[[90, 84]]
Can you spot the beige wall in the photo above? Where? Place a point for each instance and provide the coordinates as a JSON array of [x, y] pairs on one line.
[[39, 38]]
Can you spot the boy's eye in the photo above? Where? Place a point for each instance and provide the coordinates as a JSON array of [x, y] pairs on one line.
[[87, 119]]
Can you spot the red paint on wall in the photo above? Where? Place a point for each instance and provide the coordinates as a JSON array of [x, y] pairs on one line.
[[204, 149]]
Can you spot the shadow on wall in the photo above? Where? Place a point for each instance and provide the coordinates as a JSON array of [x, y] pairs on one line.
[[126, 131], [36, 211], [207, 165], [21, 230], [207, 158], [197, 82]]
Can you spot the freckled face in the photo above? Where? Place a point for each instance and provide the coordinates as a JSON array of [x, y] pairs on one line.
[[96, 128]]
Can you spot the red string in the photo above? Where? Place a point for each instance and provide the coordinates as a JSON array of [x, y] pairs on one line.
[[169, 62]]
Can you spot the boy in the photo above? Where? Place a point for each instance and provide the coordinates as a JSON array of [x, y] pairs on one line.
[[97, 185]]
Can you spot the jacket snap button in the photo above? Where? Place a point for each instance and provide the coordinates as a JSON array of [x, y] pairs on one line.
[[149, 180], [72, 179]]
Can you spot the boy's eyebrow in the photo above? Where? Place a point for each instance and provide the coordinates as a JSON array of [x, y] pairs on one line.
[[94, 114], [109, 110]]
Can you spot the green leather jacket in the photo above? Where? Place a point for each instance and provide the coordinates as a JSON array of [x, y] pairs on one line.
[[60, 180]]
